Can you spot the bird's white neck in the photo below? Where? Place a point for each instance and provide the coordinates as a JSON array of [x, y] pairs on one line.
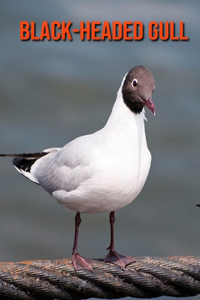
[[122, 118]]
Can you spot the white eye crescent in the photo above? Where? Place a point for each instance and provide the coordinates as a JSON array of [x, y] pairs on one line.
[[134, 83]]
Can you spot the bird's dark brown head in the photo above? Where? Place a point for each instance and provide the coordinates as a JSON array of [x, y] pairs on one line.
[[137, 89]]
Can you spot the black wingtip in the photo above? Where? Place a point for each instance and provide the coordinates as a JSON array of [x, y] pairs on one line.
[[26, 160], [23, 164]]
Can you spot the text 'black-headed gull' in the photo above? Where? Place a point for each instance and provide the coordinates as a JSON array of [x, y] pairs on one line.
[[103, 171]]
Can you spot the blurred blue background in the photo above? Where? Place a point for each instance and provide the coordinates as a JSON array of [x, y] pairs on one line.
[[52, 92]]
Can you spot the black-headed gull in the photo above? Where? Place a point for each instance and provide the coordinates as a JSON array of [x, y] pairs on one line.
[[100, 172]]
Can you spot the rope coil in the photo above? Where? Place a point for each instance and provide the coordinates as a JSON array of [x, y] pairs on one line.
[[148, 277]]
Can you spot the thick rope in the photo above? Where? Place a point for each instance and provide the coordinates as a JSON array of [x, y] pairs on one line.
[[148, 277]]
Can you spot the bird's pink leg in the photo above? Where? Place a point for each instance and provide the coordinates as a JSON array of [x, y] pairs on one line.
[[113, 256], [79, 262]]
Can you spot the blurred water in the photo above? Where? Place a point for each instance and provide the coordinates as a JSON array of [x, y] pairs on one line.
[[52, 92]]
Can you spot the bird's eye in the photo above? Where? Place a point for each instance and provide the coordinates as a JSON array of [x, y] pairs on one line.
[[134, 83]]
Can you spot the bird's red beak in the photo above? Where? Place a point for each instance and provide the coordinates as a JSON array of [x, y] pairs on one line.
[[149, 103]]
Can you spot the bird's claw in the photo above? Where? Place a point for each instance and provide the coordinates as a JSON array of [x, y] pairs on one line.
[[118, 259], [81, 263]]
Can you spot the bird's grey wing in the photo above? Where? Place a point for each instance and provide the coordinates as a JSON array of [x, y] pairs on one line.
[[68, 168]]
